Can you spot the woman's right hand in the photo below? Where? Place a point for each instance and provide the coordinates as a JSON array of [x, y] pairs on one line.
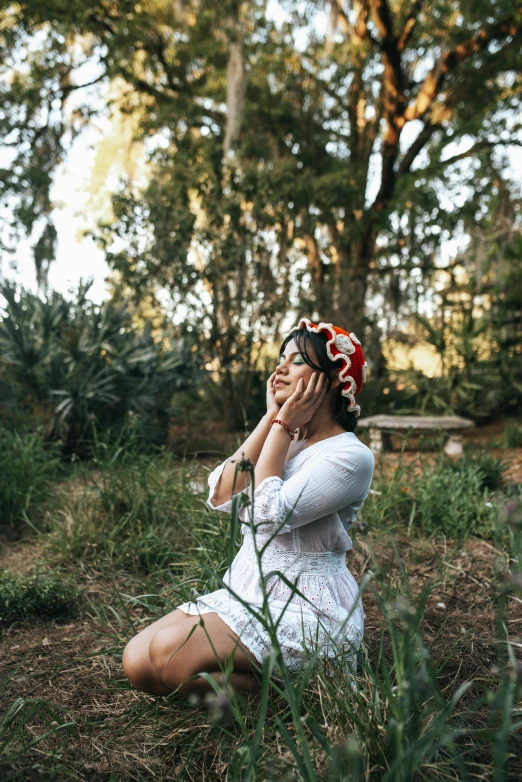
[[272, 407]]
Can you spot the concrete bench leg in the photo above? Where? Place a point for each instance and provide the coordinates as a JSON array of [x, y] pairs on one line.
[[454, 444], [376, 440], [379, 441]]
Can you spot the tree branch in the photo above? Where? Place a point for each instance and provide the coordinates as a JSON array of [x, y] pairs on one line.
[[409, 25], [360, 28], [383, 20], [394, 99], [160, 51], [451, 59], [66, 90], [141, 84], [483, 144], [419, 143]]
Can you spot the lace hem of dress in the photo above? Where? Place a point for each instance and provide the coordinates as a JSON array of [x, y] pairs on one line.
[[300, 633]]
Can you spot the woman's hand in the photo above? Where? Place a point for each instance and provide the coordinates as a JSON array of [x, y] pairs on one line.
[[272, 407], [300, 407]]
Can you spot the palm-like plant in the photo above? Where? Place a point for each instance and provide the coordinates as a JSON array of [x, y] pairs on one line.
[[471, 383], [88, 364]]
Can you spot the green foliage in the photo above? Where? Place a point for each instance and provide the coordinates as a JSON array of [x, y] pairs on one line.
[[135, 511], [477, 337], [29, 469], [284, 222], [453, 502], [512, 435], [451, 498], [82, 367], [40, 595], [491, 467]]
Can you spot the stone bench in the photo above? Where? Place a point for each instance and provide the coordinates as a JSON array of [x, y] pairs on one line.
[[381, 427]]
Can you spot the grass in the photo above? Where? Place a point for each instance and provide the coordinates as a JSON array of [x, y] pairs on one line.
[[454, 499], [512, 435], [438, 680], [40, 595], [28, 470]]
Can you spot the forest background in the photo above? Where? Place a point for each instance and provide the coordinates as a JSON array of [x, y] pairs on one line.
[[263, 162]]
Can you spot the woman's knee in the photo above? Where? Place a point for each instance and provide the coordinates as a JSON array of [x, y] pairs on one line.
[[137, 667], [168, 656]]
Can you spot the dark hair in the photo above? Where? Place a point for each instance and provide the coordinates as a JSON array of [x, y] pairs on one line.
[[303, 338]]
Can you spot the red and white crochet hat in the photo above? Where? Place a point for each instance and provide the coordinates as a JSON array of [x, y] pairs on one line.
[[344, 346]]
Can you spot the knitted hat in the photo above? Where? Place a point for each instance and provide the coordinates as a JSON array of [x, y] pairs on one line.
[[343, 346]]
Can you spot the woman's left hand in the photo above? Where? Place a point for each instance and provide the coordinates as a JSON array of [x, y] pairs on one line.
[[300, 407]]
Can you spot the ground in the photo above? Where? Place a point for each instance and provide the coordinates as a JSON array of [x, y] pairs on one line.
[[76, 666]]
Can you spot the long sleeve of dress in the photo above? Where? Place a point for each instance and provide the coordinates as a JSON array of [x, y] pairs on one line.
[[322, 486], [213, 480]]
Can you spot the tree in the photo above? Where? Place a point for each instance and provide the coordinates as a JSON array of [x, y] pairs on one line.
[[282, 177]]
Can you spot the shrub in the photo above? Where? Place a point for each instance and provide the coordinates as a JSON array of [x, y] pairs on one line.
[[40, 595], [491, 468], [86, 365], [448, 497], [451, 498], [512, 435], [27, 467]]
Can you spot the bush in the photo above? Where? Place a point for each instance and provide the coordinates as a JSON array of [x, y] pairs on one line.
[[491, 468], [83, 365], [448, 497], [40, 595], [451, 498], [512, 435], [27, 467]]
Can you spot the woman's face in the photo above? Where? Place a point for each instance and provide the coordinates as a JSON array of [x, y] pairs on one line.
[[290, 369]]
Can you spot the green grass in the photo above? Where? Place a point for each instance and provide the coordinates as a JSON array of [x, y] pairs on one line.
[[29, 469], [134, 525], [133, 512], [39, 595], [454, 499], [512, 435]]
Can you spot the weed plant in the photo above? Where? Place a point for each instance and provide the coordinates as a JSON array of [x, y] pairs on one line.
[[29, 468], [449, 498], [512, 435], [137, 512], [39, 595], [453, 502], [489, 465]]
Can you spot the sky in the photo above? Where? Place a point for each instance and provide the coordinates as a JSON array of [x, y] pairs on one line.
[[78, 257]]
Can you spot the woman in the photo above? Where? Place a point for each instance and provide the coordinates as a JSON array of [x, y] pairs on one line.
[[312, 475]]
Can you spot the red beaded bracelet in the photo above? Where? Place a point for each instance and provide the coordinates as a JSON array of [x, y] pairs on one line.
[[277, 421]]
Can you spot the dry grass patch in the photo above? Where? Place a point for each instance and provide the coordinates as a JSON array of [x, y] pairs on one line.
[[77, 667]]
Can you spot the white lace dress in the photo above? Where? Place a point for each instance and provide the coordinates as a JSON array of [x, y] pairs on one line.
[[305, 517]]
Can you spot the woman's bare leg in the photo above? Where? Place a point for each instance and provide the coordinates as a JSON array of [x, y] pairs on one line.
[[241, 681], [186, 656], [136, 660], [184, 649]]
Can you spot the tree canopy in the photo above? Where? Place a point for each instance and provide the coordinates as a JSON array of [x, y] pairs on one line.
[[290, 165]]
